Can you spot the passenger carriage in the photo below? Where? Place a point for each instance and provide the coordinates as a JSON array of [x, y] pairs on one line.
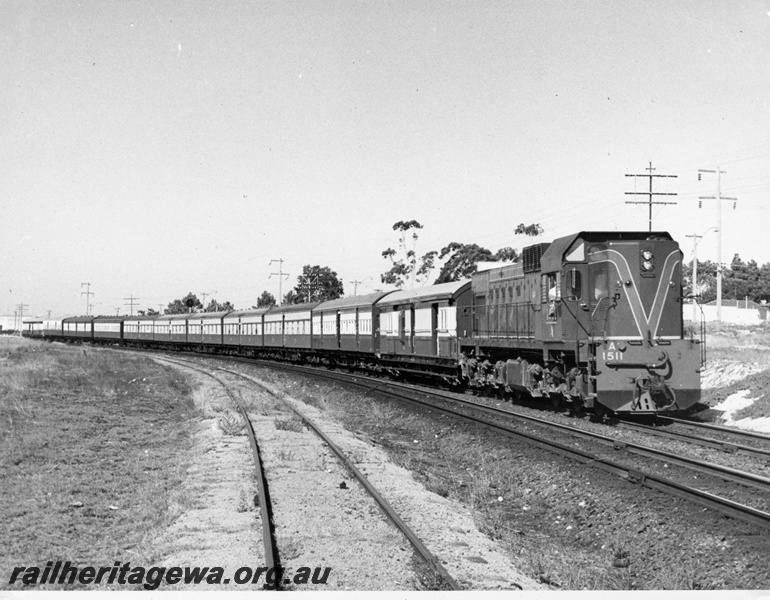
[[347, 324], [244, 328], [418, 327], [108, 328], [211, 328], [177, 328], [289, 326], [78, 328]]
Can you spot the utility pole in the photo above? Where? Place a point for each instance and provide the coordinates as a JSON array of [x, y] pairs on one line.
[[356, 283], [650, 202], [695, 237], [719, 198], [281, 275], [88, 293], [131, 302], [49, 315], [205, 295], [21, 308], [117, 311], [310, 286]]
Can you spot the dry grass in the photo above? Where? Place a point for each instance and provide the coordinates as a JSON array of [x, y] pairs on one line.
[[92, 450], [557, 520]]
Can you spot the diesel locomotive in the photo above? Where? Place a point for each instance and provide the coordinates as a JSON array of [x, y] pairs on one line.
[[593, 319]]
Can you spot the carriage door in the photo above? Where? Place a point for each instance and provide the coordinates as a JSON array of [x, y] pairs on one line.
[[337, 337], [402, 331], [434, 329]]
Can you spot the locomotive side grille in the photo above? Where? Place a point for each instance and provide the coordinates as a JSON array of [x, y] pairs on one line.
[[531, 256]]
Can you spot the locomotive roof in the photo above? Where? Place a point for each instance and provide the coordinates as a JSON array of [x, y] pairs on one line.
[[430, 292], [351, 301], [553, 257]]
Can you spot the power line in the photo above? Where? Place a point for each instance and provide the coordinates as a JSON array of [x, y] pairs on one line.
[[650, 201]]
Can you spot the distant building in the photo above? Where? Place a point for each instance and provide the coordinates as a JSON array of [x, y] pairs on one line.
[[739, 312]]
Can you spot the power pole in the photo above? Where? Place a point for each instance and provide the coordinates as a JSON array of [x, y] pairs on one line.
[[49, 315], [310, 286], [88, 293], [21, 308], [117, 311], [356, 283], [650, 202], [695, 237], [281, 275], [131, 302], [205, 295], [719, 198]]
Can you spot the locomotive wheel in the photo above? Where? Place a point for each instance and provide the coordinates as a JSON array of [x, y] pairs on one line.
[[599, 411], [577, 407]]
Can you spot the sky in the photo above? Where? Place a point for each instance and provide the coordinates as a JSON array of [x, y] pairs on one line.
[[153, 148]]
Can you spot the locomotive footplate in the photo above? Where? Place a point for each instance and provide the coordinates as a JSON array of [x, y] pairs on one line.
[[648, 376]]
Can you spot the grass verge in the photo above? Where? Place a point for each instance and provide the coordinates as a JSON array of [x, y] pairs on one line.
[[93, 447]]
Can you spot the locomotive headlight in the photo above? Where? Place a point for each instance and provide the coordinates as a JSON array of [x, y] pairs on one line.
[[646, 262]]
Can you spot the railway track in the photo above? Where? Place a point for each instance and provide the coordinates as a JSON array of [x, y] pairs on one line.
[[724, 438], [717, 477], [272, 555], [269, 542]]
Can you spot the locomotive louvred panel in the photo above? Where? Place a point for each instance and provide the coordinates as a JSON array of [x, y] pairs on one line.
[[531, 256]]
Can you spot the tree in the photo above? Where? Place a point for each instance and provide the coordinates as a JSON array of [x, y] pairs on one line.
[[316, 284], [532, 230], [406, 269], [462, 262], [507, 254], [180, 306], [706, 289], [215, 306], [266, 300], [464, 258]]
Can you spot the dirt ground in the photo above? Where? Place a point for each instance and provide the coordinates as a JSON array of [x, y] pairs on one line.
[[736, 382]]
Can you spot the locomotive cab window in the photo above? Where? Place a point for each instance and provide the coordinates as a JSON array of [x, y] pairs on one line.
[[573, 285]]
